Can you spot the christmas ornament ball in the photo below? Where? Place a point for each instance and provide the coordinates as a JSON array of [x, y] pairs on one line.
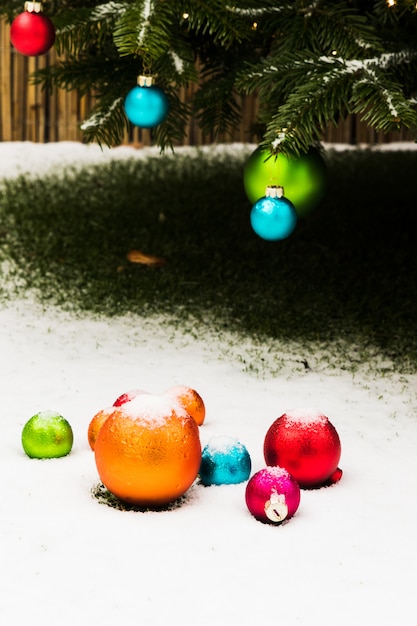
[[47, 435], [32, 34], [148, 451], [127, 396], [305, 443], [272, 495], [224, 461], [145, 106], [273, 218], [190, 400], [96, 423], [304, 178]]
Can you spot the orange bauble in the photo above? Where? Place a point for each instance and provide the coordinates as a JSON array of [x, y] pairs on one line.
[[148, 453], [96, 423], [190, 400]]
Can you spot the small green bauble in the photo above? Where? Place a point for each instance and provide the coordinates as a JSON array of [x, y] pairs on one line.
[[47, 435]]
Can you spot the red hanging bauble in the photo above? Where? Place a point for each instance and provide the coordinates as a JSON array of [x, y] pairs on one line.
[[32, 33]]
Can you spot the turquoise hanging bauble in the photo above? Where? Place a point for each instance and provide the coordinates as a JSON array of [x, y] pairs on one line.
[[273, 217], [146, 105]]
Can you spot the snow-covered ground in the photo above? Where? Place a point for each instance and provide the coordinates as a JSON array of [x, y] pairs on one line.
[[348, 557]]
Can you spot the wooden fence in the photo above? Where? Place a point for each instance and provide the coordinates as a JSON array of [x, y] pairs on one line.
[[29, 114]]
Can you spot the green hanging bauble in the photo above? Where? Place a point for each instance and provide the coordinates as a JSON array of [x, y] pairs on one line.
[[304, 178]]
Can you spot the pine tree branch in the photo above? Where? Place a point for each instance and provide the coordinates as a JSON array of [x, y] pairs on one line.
[[334, 89], [77, 29], [311, 62], [107, 122]]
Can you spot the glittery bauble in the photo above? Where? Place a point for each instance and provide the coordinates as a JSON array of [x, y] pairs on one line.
[[146, 107], [96, 424], [304, 178], [190, 400], [148, 452], [47, 435], [224, 461], [272, 495], [273, 218], [32, 34], [306, 443]]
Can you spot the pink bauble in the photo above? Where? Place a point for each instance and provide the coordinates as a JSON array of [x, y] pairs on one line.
[[272, 495], [306, 443], [32, 33]]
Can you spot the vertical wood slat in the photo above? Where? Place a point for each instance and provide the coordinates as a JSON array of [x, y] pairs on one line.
[[27, 113], [5, 86]]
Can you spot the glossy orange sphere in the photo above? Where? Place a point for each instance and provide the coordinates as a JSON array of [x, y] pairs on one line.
[[190, 400], [148, 453], [96, 423]]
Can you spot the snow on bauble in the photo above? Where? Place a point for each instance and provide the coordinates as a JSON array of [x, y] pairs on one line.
[[148, 451], [127, 396], [306, 443], [190, 400], [224, 461]]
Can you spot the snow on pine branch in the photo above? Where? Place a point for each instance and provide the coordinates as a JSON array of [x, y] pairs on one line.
[[382, 61], [146, 13], [100, 13], [96, 120], [177, 61], [307, 10], [109, 9], [255, 12], [365, 68]]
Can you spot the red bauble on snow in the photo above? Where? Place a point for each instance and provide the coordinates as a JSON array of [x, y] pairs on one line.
[[306, 443], [32, 33]]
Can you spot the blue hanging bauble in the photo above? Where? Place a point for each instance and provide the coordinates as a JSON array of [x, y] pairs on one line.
[[146, 105], [273, 217]]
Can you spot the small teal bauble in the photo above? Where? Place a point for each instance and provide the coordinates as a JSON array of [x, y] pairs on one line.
[[146, 105], [304, 178], [224, 461], [273, 217]]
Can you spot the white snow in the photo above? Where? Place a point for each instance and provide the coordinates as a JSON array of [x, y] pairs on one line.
[[305, 416], [347, 557], [177, 61], [152, 409], [223, 444], [146, 14]]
